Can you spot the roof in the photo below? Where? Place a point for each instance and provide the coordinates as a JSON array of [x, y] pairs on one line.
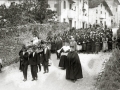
[[95, 3], [117, 1], [107, 7], [71, 1]]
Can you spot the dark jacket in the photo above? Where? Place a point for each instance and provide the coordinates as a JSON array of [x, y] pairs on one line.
[[24, 57], [46, 56], [33, 59]]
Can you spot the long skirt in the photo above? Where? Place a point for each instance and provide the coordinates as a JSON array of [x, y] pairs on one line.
[[105, 46], [84, 46], [113, 45], [97, 47], [110, 45], [63, 61], [93, 47], [88, 47]]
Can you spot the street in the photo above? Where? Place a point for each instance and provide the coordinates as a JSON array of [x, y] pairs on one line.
[[12, 79]]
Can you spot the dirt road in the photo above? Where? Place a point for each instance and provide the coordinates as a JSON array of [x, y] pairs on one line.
[[11, 78]]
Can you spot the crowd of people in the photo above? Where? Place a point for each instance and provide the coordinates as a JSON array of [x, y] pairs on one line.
[[91, 40]]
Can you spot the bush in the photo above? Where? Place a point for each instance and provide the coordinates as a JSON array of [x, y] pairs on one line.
[[12, 38], [110, 78]]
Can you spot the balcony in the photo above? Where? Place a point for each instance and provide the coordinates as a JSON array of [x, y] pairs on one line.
[[71, 14], [102, 16]]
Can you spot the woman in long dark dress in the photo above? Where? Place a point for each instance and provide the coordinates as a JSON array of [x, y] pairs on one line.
[[73, 69]]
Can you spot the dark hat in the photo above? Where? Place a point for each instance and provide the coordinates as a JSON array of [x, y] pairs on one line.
[[34, 47], [43, 42], [24, 47]]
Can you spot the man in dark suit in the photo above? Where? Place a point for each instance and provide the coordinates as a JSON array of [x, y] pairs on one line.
[[33, 59], [24, 61], [21, 58], [25, 64], [46, 57]]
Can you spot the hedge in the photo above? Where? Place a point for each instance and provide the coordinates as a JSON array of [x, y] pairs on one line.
[[12, 38], [109, 78]]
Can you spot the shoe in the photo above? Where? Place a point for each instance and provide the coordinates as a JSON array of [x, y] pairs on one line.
[[74, 80], [36, 79], [25, 80], [44, 72], [49, 65], [47, 71], [33, 79]]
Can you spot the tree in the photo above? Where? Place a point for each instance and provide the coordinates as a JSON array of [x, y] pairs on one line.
[[27, 11]]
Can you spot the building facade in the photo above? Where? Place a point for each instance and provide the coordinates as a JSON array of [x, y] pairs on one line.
[[114, 6], [100, 14], [75, 12]]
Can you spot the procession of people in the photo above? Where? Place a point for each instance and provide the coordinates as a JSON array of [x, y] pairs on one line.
[[34, 56], [66, 46], [39, 53]]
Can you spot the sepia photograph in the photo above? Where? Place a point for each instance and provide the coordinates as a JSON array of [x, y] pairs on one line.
[[59, 45]]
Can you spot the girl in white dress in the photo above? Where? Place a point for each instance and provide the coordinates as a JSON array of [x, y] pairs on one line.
[[64, 51]]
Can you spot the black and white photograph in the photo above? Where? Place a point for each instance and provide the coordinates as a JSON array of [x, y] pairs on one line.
[[59, 44]]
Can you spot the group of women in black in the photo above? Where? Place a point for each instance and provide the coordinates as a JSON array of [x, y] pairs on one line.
[[70, 60]]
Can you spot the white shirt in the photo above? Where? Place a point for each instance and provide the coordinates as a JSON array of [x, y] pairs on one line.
[[33, 54], [66, 48], [23, 53], [1, 61], [35, 40], [45, 50]]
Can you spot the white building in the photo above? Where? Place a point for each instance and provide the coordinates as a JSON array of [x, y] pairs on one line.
[[114, 6], [100, 13], [75, 12]]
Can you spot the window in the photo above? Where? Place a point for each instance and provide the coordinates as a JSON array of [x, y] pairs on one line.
[[75, 24], [116, 9], [64, 4], [96, 21], [75, 8], [101, 12], [96, 11], [70, 6], [101, 5], [100, 22], [105, 14], [64, 20]]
